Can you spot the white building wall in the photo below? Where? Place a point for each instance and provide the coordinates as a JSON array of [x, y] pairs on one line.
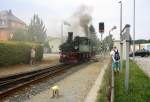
[[54, 45], [141, 46]]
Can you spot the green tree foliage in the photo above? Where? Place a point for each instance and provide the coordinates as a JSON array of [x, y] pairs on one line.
[[37, 30], [141, 41], [92, 32], [91, 28], [94, 38], [20, 35], [108, 42], [47, 46]]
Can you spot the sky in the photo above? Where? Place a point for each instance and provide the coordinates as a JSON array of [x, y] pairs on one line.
[[54, 12]]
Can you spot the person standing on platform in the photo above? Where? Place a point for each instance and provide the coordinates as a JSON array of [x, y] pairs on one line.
[[33, 52], [115, 60]]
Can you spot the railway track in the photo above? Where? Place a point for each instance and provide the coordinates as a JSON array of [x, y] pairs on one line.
[[9, 83]]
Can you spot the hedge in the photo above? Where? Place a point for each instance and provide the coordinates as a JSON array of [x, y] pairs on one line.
[[12, 53]]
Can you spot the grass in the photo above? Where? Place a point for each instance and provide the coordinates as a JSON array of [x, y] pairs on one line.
[[103, 92], [139, 85]]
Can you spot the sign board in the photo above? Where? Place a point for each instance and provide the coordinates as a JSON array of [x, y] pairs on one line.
[[126, 33], [101, 27]]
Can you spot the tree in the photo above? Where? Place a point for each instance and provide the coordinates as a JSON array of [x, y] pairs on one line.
[[140, 41], [92, 32], [37, 30], [94, 38], [20, 35], [108, 42]]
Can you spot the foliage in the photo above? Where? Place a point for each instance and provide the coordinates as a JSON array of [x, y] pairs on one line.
[[141, 41], [139, 85], [47, 46], [20, 35], [92, 33], [37, 30], [18, 52], [94, 38], [91, 28], [108, 42]]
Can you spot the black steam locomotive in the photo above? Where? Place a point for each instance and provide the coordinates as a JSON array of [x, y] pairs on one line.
[[77, 49]]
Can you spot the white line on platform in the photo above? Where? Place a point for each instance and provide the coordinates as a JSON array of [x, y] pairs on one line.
[[92, 95]]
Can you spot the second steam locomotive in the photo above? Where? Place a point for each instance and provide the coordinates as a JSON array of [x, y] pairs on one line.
[[77, 49]]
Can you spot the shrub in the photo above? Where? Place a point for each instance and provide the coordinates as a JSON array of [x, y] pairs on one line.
[[18, 52]]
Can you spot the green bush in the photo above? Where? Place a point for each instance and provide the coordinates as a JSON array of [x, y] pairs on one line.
[[18, 52]]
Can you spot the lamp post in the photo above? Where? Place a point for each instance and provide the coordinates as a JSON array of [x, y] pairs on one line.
[[134, 30], [121, 44], [114, 27]]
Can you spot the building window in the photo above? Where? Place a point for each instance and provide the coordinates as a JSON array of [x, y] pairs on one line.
[[2, 22]]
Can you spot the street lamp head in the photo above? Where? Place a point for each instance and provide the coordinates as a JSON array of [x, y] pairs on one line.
[[66, 23], [115, 27], [120, 2]]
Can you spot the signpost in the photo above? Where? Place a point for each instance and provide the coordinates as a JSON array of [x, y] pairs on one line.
[[121, 44], [126, 39]]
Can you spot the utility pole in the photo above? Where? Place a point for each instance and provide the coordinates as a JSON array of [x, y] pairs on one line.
[[114, 27], [127, 31], [134, 30], [121, 43], [101, 31]]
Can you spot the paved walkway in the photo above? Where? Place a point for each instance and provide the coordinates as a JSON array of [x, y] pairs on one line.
[[92, 95], [144, 63]]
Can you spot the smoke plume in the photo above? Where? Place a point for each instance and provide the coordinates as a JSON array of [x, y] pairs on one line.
[[80, 20]]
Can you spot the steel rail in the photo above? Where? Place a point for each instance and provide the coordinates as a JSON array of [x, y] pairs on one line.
[[9, 83]]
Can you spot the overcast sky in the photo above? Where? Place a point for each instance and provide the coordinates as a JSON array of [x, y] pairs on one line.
[[53, 12]]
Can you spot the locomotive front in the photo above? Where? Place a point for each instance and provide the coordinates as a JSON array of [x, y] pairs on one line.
[[77, 49]]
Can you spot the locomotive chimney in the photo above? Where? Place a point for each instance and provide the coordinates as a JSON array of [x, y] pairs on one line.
[[70, 36]]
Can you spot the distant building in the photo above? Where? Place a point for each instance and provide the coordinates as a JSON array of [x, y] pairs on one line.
[[145, 46], [8, 24], [54, 43], [117, 44]]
